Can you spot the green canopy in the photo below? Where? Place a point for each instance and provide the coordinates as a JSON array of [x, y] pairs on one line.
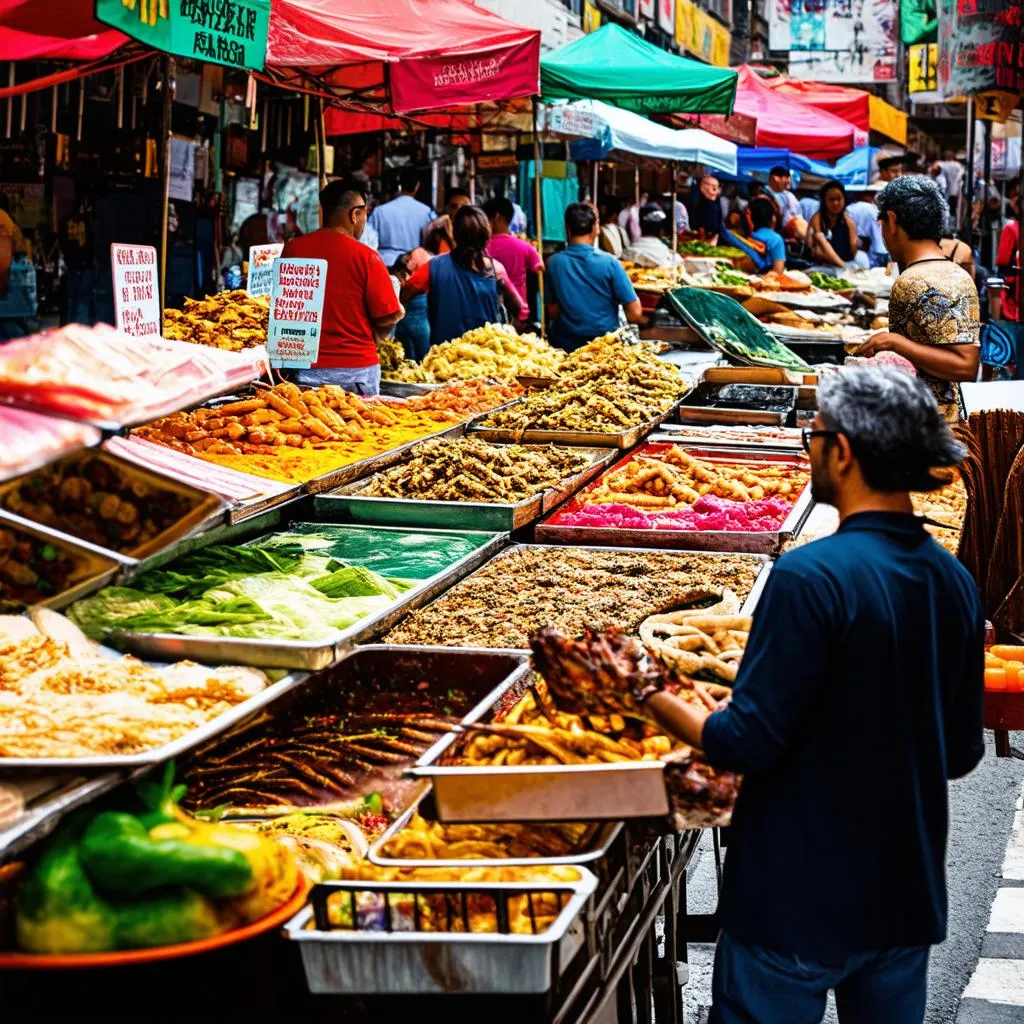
[[619, 67]]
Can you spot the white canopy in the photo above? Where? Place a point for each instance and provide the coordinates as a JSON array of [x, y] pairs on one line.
[[599, 129]]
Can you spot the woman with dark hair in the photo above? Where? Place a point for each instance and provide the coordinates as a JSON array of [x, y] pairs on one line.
[[833, 234], [463, 287]]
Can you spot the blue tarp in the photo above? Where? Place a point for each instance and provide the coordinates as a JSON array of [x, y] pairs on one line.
[[852, 169]]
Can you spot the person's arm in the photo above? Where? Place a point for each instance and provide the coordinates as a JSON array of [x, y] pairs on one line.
[[513, 300], [382, 304], [774, 689], [417, 283], [822, 249], [852, 228], [963, 719], [947, 362], [777, 252], [625, 294]]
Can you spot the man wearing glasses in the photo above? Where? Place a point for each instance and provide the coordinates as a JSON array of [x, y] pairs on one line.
[[858, 698], [360, 301]]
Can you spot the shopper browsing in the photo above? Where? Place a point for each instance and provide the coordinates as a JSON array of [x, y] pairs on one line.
[[399, 224], [521, 260], [359, 302], [586, 287], [833, 234], [706, 218], [650, 250], [933, 308], [791, 218], [846, 766]]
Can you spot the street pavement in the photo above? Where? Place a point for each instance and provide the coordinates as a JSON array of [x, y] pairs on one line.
[[986, 856]]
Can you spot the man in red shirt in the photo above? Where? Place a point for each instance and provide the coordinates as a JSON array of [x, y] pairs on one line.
[[360, 301]]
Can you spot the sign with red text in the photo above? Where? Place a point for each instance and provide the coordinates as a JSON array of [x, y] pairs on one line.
[[136, 289], [261, 268], [296, 312]]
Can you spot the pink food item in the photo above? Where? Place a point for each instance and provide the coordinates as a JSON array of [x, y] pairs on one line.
[[884, 359], [708, 513]]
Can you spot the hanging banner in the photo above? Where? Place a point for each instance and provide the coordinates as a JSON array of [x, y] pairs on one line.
[[667, 16], [979, 48], [232, 32], [701, 35], [591, 17], [261, 268], [837, 40], [738, 128], [646, 9], [136, 289], [296, 312], [923, 63]]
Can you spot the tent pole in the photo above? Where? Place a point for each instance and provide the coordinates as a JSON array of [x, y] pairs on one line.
[[672, 214], [166, 203], [593, 191], [538, 207], [321, 141], [472, 178], [636, 186]]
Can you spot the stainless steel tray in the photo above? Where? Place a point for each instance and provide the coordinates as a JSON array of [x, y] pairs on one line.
[[594, 846], [175, 747], [590, 439], [766, 542], [208, 512], [348, 503], [299, 654], [683, 433], [97, 567], [353, 471], [406, 388], [409, 963]]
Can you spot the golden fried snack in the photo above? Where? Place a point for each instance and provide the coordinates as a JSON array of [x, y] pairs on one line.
[[231, 320]]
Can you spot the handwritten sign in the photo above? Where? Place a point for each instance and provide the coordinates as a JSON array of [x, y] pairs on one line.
[[296, 312], [136, 289], [261, 268], [232, 32]]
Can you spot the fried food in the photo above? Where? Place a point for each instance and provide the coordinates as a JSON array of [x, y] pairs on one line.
[[60, 698], [465, 469], [231, 320], [33, 569], [523, 590], [947, 506]]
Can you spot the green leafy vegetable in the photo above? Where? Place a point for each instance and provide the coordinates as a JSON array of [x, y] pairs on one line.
[[828, 282]]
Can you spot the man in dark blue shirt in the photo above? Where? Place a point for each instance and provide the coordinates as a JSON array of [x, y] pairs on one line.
[[585, 286], [859, 697]]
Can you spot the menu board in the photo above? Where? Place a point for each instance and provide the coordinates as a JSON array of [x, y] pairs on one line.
[[136, 289], [296, 312], [261, 268]]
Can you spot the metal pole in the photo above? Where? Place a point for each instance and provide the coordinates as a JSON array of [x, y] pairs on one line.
[[321, 139], [636, 185], [672, 214], [53, 111], [988, 245], [593, 189], [165, 205], [969, 185], [538, 208], [472, 178], [9, 123], [81, 110]]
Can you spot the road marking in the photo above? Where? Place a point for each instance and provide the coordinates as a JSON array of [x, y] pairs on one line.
[[998, 981], [1007, 911], [1013, 863]]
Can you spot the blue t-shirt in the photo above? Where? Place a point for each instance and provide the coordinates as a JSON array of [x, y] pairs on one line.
[[399, 226], [775, 246], [859, 697], [588, 287]]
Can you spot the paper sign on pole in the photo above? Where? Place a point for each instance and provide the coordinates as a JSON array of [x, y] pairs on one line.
[[136, 289], [261, 268], [296, 312]]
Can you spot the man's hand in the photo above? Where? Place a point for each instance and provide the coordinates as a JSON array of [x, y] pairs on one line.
[[884, 341]]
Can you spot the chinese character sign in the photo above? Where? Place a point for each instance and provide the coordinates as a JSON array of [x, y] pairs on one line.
[[232, 32], [837, 40], [296, 312], [136, 289]]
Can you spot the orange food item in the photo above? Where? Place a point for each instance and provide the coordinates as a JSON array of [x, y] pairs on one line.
[[1007, 652], [995, 678]]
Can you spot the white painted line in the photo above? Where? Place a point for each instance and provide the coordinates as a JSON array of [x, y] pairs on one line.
[[1013, 863], [1008, 912], [998, 981]]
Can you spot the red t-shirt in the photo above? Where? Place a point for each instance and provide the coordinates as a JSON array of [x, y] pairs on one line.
[[359, 290], [1006, 256]]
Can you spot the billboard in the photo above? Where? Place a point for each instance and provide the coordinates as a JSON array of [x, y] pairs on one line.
[[837, 40], [979, 48]]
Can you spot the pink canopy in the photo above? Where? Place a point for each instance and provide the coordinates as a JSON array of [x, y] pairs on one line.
[[786, 123], [395, 55]]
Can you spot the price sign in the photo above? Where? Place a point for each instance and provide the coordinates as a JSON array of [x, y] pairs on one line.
[[261, 268], [296, 312], [136, 289]]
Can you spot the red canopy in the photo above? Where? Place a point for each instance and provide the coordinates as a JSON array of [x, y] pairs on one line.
[[787, 123], [398, 55]]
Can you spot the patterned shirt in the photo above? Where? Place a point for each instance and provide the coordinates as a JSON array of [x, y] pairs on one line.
[[935, 302]]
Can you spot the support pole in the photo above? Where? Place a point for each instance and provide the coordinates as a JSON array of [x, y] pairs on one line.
[[472, 178], [538, 210], [988, 244], [168, 101], [321, 142], [969, 184], [81, 110], [636, 186], [672, 213], [53, 111], [9, 121], [593, 187]]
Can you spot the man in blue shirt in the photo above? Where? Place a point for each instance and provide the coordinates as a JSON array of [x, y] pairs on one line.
[[399, 224], [859, 697], [586, 287]]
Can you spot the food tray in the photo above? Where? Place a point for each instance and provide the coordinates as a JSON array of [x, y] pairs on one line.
[[175, 747], [417, 962], [347, 474], [95, 569], [346, 504], [594, 846], [208, 510], [765, 405], [407, 388], [694, 434], [579, 438], [488, 680], [300, 654], [766, 542]]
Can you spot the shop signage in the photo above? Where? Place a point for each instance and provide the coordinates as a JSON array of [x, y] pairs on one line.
[[667, 16], [497, 162], [564, 119], [296, 312], [591, 17], [261, 268], [700, 34], [136, 289], [980, 50], [232, 32], [924, 67], [738, 128]]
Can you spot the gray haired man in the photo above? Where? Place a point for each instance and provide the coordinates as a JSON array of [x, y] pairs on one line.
[[858, 699]]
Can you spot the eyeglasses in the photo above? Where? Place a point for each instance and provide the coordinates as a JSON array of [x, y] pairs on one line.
[[806, 435]]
